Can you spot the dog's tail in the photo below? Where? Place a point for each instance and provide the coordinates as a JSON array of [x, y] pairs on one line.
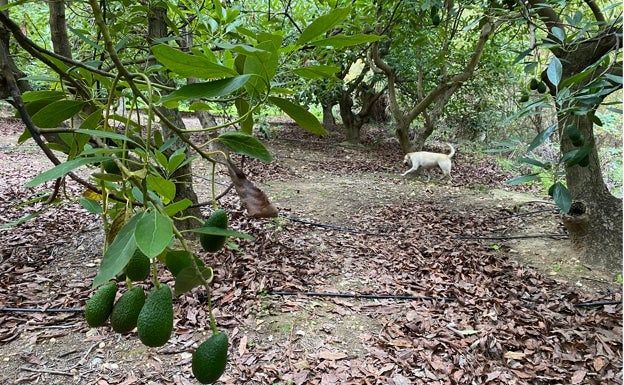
[[452, 150]]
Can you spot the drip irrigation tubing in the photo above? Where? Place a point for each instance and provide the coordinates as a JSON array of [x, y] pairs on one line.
[[598, 303], [363, 296], [40, 310], [476, 237], [340, 228]]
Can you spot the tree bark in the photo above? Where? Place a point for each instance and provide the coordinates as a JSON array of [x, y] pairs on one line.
[[183, 177], [23, 85], [58, 28], [329, 121], [595, 223], [595, 219]]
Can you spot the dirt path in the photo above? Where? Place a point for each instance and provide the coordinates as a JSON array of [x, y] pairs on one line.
[[483, 307]]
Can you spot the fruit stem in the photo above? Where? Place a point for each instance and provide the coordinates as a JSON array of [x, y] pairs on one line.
[[155, 273], [200, 275], [213, 321]]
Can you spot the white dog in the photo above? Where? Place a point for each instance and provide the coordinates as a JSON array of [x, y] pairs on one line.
[[423, 159]]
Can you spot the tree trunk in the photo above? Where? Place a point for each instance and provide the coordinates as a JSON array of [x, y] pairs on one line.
[[58, 28], [183, 177], [22, 84], [351, 121], [402, 134], [595, 221], [329, 121]]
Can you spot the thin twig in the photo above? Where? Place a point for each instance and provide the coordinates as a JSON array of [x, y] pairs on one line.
[[47, 371]]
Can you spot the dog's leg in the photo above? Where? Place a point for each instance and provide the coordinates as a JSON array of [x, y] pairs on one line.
[[410, 170]]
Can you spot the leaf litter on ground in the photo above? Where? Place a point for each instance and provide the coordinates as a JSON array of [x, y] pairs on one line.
[[507, 322]]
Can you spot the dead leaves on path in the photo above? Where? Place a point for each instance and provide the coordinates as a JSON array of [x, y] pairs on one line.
[[483, 318]]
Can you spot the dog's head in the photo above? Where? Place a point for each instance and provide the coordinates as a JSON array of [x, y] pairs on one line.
[[407, 160]]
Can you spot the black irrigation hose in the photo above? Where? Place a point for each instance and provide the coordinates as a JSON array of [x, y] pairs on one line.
[[35, 310], [510, 236], [340, 228], [598, 303], [364, 296], [529, 213], [374, 234]]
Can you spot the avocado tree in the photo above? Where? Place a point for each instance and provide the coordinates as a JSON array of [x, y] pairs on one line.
[[136, 159], [584, 68], [431, 53]]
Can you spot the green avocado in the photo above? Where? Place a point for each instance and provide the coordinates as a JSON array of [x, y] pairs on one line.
[[533, 84], [126, 311], [210, 359], [213, 243], [138, 267], [100, 305], [155, 321]]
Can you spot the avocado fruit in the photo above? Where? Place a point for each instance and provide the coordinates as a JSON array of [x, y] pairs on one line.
[[155, 321], [213, 243], [210, 359], [138, 267], [126, 311], [100, 305]]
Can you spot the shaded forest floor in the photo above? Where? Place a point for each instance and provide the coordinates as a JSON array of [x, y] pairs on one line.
[[466, 282]]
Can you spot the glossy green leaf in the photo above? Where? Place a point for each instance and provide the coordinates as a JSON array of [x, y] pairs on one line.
[[554, 71], [106, 134], [187, 279], [542, 137], [562, 197], [559, 34], [62, 169], [341, 41], [92, 121], [264, 68], [161, 186], [55, 113], [323, 24], [245, 144], [190, 66], [242, 107], [177, 207], [118, 253], [212, 89], [534, 162], [178, 260], [524, 179], [220, 231], [244, 49], [92, 206], [153, 233], [303, 117], [31, 96], [574, 157], [175, 160]]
